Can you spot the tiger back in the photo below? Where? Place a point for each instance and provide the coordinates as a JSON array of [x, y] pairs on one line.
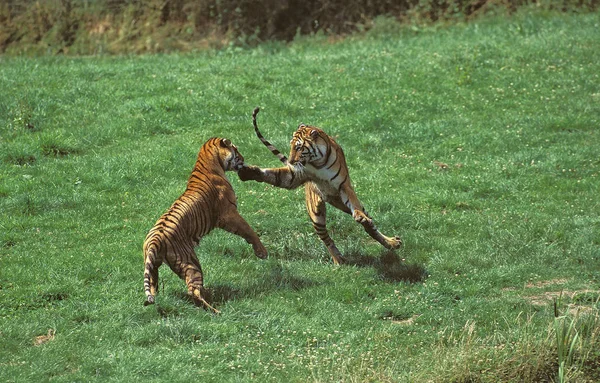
[[318, 162], [208, 202]]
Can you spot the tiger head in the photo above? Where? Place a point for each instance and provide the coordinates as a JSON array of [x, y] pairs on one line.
[[308, 145], [232, 159]]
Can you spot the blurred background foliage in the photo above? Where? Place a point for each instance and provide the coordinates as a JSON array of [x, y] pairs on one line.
[[149, 26]]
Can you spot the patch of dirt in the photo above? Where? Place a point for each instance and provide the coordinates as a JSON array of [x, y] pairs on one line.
[[544, 298], [541, 284], [538, 285], [548, 297], [579, 310], [41, 339], [407, 321], [573, 309]]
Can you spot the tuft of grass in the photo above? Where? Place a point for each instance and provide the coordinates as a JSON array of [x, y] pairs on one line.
[[20, 159]]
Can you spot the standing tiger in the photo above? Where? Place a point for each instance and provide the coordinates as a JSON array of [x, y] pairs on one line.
[[208, 202], [317, 161]]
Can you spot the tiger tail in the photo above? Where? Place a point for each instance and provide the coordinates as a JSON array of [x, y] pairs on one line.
[[272, 148], [150, 272]]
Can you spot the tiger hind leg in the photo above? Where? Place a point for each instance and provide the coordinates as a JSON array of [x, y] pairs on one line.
[[315, 205], [191, 272], [234, 223], [197, 295]]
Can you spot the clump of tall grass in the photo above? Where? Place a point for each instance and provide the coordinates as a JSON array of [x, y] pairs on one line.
[[577, 337], [561, 354]]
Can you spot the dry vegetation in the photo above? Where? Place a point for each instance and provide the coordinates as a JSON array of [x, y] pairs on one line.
[[136, 26]]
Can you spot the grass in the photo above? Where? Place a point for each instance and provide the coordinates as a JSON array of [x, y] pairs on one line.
[[477, 144]]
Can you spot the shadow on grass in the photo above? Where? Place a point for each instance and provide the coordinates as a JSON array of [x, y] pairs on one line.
[[389, 267], [280, 278]]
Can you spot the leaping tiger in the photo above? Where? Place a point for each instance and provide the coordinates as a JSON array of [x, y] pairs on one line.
[[318, 162], [208, 202]]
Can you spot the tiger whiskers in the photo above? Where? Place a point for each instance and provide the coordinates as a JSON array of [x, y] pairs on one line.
[[297, 168]]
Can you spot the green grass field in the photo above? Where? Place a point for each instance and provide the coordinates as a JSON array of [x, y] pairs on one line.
[[478, 144]]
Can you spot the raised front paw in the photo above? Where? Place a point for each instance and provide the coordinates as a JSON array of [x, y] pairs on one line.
[[361, 217], [247, 173]]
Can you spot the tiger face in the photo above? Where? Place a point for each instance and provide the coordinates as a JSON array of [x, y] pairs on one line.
[[307, 145], [232, 159]]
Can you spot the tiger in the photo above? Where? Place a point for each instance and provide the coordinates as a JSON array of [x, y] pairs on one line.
[[317, 162], [208, 202]]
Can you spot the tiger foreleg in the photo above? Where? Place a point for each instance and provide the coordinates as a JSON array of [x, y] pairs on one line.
[[250, 173], [367, 223], [387, 242], [361, 217], [352, 205], [282, 177], [234, 223]]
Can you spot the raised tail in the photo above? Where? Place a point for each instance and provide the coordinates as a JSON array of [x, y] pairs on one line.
[[150, 274], [272, 148]]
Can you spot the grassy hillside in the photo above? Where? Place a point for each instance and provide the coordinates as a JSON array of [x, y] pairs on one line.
[[478, 144]]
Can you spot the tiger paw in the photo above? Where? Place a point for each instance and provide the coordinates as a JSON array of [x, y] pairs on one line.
[[338, 260], [361, 217], [336, 256], [247, 173], [394, 243], [198, 295], [260, 252]]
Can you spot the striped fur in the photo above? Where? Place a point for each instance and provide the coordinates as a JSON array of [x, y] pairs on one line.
[[273, 149], [208, 202], [318, 162]]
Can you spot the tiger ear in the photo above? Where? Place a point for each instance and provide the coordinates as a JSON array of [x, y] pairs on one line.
[[225, 143], [301, 126], [314, 133]]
